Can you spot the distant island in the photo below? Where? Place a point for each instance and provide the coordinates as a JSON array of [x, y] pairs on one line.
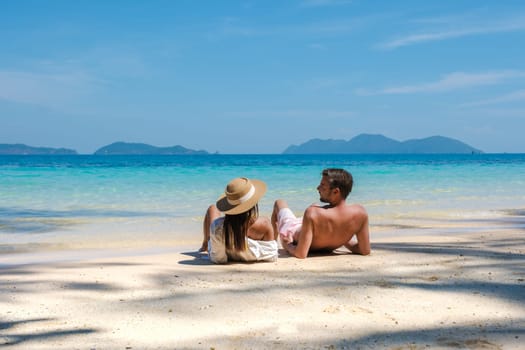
[[21, 149], [361, 144], [379, 144], [126, 148]]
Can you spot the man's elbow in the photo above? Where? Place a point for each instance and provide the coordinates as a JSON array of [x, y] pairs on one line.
[[363, 251], [301, 255], [356, 249], [366, 252]]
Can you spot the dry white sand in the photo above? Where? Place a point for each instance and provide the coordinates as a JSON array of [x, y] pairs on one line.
[[416, 292]]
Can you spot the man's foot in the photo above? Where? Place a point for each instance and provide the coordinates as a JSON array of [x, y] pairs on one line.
[[204, 247]]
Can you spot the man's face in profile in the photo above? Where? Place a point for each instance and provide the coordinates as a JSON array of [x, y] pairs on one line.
[[324, 190]]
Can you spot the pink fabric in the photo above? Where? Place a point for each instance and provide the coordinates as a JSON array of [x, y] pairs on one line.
[[288, 224]]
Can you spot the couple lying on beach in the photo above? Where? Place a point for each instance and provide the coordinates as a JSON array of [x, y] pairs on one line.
[[241, 235]]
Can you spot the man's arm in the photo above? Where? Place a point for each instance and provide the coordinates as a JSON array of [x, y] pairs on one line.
[[300, 250], [362, 245], [356, 249]]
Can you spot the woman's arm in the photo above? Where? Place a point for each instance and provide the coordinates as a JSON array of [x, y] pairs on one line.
[[261, 230]]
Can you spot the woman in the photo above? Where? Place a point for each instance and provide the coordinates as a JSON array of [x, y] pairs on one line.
[[240, 235]]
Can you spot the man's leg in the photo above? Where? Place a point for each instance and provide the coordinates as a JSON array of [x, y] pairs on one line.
[[277, 206], [211, 214]]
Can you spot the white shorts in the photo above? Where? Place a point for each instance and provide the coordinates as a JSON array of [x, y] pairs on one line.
[[288, 224]]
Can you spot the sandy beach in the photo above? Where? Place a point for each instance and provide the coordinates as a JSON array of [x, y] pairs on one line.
[[413, 292], [123, 122]]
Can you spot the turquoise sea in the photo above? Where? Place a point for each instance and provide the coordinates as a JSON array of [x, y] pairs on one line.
[[162, 199]]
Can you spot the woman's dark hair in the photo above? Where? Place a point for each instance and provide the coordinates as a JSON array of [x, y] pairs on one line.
[[236, 227]]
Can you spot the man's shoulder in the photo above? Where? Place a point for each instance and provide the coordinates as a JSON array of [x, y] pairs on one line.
[[313, 208], [316, 211], [355, 208], [328, 210]]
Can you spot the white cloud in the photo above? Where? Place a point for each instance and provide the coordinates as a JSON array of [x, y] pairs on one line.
[[300, 114], [330, 28], [44, 89], [425, 37], [318, 3], [515, 96], [317, 46], [458, 30], [450, 82]]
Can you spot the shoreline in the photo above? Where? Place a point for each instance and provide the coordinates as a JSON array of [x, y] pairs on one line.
[[141, 237]]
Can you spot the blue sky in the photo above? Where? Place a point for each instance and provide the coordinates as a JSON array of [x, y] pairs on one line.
[[257, 76]]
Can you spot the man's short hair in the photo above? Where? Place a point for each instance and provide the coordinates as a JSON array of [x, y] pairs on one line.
[[339, 178]]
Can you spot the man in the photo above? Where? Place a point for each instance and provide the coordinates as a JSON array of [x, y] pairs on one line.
[[325, 227]]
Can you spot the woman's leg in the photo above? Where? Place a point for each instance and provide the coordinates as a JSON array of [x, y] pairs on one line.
[[211, 214]]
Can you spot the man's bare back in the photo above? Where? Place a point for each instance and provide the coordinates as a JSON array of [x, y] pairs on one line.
[[333, 227], [328, 227]]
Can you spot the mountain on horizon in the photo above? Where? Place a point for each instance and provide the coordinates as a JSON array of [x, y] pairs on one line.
[[21, 149], [380, 144], [128, 148], [363, 143]]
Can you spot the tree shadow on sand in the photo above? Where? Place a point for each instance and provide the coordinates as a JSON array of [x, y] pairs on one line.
[[489, 337], [20, 338], [464, 260]]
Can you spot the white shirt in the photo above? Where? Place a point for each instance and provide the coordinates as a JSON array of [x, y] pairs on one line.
[[257, 250]]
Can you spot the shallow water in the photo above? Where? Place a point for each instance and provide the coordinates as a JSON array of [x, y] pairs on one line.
[[163, 198]]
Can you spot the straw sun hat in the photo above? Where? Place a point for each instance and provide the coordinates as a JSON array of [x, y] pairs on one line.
[[241, 195]]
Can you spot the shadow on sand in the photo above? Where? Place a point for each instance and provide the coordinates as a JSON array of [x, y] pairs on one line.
[[14, 338]]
